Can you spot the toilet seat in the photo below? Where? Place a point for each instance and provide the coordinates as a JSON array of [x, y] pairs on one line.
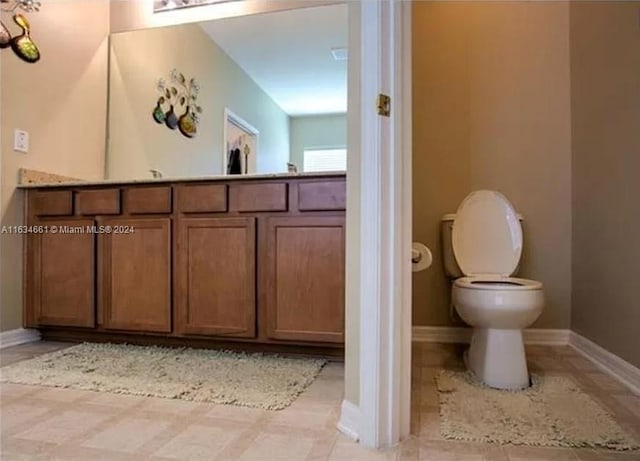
[[497, 283], [486, 236]]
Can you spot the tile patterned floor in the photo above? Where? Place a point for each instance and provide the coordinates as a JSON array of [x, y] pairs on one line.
[[40, 423]]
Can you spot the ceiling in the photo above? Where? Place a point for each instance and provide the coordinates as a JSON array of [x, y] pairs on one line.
[[288, 54]]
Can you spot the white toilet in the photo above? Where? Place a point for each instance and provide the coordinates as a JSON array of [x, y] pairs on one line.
[[486, 240]]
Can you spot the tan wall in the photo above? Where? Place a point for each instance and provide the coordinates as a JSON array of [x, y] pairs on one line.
[[605, 89], [491, 108], [61, 102]]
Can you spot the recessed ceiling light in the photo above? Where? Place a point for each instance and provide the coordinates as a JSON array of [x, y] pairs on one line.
[[340, 54]]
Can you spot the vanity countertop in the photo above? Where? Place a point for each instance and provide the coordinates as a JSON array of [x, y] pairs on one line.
[[124, 182]]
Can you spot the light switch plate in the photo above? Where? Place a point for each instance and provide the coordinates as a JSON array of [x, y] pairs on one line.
[[21, 141]]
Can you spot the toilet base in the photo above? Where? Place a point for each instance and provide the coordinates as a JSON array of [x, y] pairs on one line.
[[497, 358]]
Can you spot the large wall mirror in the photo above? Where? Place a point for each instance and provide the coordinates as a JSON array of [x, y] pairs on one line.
[[268, 87]]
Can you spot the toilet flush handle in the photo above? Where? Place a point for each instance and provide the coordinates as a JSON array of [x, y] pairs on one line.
[[421, 257]]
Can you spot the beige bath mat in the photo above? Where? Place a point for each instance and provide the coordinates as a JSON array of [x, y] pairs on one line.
[[554, 411], [253, 380]]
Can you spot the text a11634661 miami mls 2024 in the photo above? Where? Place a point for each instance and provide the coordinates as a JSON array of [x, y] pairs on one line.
[[67, 229]]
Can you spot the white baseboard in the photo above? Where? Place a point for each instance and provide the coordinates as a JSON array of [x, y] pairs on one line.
[[18, 336], [618, 368], [547, 337], [349, 423]]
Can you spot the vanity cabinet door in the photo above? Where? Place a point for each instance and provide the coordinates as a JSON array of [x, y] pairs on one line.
[[135, 274], [61, 275], [216, 277], [303, 269]]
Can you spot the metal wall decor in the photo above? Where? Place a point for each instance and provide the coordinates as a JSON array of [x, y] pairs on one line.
[[22, 45], [179, 95]]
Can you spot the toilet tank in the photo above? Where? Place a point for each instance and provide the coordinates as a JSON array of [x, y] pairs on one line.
[[451, 267]]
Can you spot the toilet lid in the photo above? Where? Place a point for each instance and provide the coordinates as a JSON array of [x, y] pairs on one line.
[[486, 235]]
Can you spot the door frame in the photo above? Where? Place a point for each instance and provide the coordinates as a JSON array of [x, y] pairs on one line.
[[240, 123], [379, 217]]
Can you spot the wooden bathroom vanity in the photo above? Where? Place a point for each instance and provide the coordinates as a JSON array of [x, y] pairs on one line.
[[251, 262]]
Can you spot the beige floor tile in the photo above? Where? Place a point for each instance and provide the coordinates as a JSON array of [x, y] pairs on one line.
[[9, 358], [303, 403], [15, 414], [430, 426], [496, 453], [19, 449], [235, 413], [346, 449], [110, 399], [606, 455], [540, 454], [332, 370], [409, 449], [62, 427], [452, 451], [605, 382], [429, 396], [198, 443], [271, 447], [415, 423], [325, 390], [537, 350], [302, 419], [170, 406], [59, 394], [76, 453], [126, 435], [40, 347], [566, 351], [581, 363], [547, 363], [10, 390], [11, 456], [322, 447], [630, 402], [437, 358]]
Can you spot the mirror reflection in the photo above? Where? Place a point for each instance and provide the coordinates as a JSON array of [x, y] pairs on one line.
[[240, 95]]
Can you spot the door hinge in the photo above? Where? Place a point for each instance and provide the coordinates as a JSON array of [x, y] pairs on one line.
[[384, 105]]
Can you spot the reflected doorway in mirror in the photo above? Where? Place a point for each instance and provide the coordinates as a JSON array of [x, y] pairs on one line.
[[240, 145]]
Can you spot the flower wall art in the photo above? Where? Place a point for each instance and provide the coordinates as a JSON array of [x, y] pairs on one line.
[[177, 105]]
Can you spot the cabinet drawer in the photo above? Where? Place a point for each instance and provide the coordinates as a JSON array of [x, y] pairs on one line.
[[51, 203], [205, 198], [141, 200], [258, 197], [98, 202], [326, 195]]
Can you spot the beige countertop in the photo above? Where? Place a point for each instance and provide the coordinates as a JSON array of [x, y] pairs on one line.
[[124, 182]]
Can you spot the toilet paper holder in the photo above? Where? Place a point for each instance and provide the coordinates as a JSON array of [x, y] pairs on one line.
[[421, 257]]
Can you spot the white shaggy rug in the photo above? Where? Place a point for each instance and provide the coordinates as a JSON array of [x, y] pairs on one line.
[[254, 380], [552, 412]]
